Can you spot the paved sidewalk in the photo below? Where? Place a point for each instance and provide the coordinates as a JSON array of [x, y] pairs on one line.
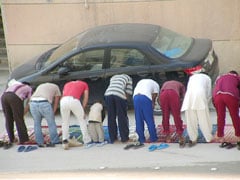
[[113, 162]]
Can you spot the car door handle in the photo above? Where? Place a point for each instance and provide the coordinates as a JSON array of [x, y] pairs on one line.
[[143, 74], [94, 78]]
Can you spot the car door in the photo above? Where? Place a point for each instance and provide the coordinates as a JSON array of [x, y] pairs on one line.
[[86, 66]]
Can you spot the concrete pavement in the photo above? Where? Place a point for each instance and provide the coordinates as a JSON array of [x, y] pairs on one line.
[[205, 160]]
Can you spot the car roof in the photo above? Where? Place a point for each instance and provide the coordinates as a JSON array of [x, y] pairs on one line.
[[118, 33]]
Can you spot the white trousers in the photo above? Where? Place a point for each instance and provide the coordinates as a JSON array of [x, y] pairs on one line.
[[201, 117], [67, 105]]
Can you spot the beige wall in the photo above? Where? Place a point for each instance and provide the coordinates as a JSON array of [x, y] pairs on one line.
[[33, 26]]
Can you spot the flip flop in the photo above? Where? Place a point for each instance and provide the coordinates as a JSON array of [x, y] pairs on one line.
[[224, 144], [162, 146], [30, 148], [138, 145], [21, 148], [152, 148], [230, 146], [129, 146]]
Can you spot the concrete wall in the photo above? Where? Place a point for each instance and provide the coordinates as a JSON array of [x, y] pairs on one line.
[[32, 27]]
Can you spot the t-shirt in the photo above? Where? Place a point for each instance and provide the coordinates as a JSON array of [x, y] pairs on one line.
[[95, 113], [120, 85], [23, 91], [227, 84], [47, 91], [178, 87], [146, 87], [75, 88]]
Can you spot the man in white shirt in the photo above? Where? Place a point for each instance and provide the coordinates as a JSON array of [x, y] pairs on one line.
[[144, 97], [195, 105]]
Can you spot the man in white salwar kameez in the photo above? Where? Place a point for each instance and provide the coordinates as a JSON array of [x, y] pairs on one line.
[[195, 105]]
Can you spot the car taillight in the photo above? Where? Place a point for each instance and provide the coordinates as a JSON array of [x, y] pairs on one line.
[[193, 70]]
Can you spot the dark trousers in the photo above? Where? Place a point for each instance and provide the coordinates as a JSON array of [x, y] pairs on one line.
[[13, 110], [170, 104], [117, 108]]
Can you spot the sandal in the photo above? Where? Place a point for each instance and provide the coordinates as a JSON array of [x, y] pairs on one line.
[[129, 146], [224, 144], [152, 148], [21, 148], [138, 145], [30, 148], [162, 146], [230, 146]]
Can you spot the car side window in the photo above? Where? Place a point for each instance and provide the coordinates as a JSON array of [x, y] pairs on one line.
[[86, 61], [126, 57]]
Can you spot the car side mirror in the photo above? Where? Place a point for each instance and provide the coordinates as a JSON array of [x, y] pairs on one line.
[[63, 71]]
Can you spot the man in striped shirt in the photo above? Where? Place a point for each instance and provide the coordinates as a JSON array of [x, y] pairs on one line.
[[116, 101]]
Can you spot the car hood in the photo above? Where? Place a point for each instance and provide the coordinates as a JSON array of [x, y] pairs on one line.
[[25, 69], [198, 51]]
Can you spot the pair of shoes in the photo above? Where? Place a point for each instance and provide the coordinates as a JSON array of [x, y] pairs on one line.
[[158, 147], [227, 145], [7, 145], [100, 144], [192, 143], [224, 144], [26, 148], [65, 144], [50, 145]]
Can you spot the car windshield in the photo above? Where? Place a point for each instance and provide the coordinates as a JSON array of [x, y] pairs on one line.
[[64, 49], [171, 44]]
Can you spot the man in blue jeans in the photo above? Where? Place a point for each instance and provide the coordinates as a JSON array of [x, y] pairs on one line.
[[41, 102]]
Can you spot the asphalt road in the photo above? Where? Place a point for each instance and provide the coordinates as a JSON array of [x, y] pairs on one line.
[[203, 161]]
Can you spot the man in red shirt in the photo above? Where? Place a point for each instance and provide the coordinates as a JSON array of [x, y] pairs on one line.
[[226, 95], [70, 102], [171, 94]]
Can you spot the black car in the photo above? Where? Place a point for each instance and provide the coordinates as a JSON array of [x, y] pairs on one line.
[[139, 50]]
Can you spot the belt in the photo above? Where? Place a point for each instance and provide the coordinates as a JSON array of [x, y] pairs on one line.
[[40, 101]]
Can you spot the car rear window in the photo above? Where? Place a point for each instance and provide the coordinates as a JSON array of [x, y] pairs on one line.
[[171, 44]]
